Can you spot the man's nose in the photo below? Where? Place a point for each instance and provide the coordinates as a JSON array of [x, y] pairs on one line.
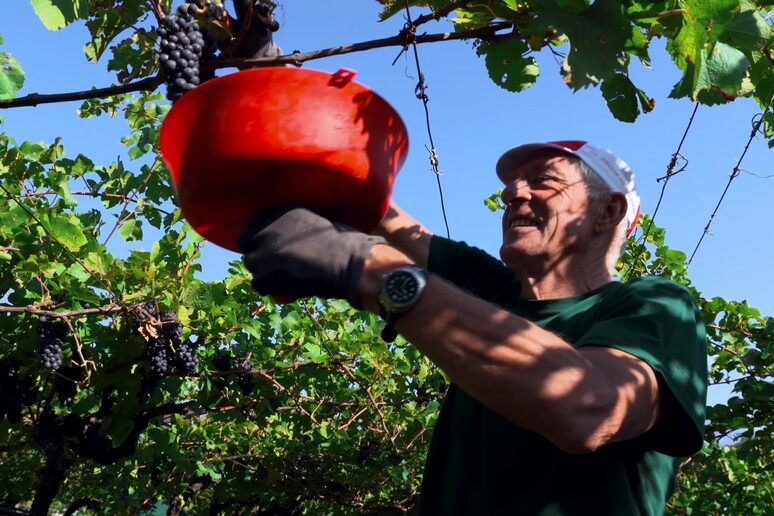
[[515, 190]]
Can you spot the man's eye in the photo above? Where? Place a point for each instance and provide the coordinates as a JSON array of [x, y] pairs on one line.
[[541, 179]]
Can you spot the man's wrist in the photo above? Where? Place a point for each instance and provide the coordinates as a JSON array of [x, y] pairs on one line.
[[381, 260]]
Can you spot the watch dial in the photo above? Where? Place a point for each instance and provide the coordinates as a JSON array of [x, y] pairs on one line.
[[401, 287]]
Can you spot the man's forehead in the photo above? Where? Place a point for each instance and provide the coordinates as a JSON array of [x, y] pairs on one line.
[[545, 160]]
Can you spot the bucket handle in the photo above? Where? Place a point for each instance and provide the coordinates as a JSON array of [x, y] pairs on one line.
[[342, 77]]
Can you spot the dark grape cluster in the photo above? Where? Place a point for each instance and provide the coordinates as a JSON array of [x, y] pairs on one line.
[[65, 384], [51, 335], [148, 385], [183, 46], [186, 360], [166, 348], [225, 362], [15, 390], [159, 357], [244, 378], [171, 329]]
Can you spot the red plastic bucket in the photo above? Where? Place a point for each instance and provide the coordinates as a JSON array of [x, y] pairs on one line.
[[264, 137]]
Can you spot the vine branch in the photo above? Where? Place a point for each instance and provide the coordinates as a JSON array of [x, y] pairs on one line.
[[296, 59]]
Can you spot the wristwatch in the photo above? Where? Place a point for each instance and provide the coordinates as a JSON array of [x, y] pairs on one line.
[[401, 290]]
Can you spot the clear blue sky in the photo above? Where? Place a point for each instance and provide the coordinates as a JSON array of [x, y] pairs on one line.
[[473, 121]]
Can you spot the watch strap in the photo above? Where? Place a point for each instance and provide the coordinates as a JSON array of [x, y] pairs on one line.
[[389, 333]]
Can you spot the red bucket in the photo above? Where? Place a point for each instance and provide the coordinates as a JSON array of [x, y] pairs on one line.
[[265, 137]]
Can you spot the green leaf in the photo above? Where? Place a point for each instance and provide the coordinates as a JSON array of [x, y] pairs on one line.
[[62, 188], [68, 232], [131, 230], [598, 36], [762, 74], [719, 76], [56, 14], [11, 76], [621, 96], [507, 66], [694, 40], [748, 30]]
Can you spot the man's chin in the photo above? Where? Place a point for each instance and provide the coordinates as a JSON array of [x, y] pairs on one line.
[[510, 255]]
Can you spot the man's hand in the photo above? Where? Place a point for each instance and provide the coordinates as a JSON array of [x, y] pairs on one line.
[[293, 252]]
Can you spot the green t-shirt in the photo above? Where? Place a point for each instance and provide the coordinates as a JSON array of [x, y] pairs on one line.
[[481, 464]]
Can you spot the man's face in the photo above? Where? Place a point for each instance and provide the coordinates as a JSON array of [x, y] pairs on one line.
[[547, 211]]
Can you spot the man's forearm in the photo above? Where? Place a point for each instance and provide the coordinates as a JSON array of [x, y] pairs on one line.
[[405, 233], [527, 374]]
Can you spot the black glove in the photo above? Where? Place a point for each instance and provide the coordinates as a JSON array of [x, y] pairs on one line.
[[293, 252]]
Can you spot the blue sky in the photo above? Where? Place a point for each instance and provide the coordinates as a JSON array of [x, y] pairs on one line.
[[472, 121]]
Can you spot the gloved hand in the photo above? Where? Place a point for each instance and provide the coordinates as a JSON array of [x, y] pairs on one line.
[[293, 252]]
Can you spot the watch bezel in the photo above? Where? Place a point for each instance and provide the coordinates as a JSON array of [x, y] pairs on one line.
[[391, 305]]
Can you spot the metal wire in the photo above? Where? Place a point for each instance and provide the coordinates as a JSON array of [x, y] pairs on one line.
[[420, 90], [669, 173], [734, 174]]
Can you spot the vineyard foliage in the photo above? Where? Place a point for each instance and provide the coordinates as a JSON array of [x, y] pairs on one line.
[[205, 397]]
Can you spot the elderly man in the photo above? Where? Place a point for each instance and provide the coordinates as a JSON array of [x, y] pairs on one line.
[[571, 393]]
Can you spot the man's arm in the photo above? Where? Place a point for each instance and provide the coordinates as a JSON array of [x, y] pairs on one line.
[[580, 399], [405, 233]]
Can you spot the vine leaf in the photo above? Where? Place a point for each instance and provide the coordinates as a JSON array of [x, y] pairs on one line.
[[624, 99], [56, 14], [68, 232], [748, 30], [11, 76], [599, 36], [107, 24], [693, 42], [507, 66], [716, 77], [392, 7]]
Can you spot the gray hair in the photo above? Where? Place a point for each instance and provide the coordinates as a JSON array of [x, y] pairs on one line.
[[600, 191]]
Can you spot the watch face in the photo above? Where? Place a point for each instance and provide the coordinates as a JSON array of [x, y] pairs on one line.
[[401, 288]]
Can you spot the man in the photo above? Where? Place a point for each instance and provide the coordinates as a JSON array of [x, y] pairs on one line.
[[572, 393]]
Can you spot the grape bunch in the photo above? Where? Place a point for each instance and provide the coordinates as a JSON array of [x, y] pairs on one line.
[[51, 335], [65, 384], [147, 326], [148, 385], [159, 357], [244, 378], [223, 362], [166, 349], [183, 45], [186, 360], [16, 390], [242, 369], [171, 329]]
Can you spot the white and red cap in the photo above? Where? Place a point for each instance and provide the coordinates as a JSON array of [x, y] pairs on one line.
[[612, 169]]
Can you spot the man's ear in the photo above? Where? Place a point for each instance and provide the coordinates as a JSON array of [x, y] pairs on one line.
[[611, 212]]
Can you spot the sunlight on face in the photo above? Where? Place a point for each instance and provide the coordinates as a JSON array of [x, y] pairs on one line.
[[546, 214]]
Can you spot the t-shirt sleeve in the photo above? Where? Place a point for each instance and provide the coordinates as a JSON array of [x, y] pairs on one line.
[[658, 321], [470, 268]]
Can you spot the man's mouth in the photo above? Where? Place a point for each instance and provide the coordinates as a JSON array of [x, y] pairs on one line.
[[518, 222]]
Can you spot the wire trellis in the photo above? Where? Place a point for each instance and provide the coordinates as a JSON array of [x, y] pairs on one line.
[[734, 174]]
